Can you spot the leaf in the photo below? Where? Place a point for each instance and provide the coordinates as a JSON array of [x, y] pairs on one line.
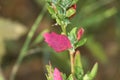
[[86, 77], [91, 75], [50, 70], [94, 70], [70, 77], [78, 66], [70, 12], [65, 3], [51, 11], [64, 76], [81, 42], [72, 35], [74, 2]]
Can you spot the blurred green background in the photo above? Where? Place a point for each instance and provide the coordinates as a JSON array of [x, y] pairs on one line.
[[99, 18]]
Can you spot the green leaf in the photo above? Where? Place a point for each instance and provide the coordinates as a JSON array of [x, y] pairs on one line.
[[55, 1], [74, 2], [70, 77], [86, 77], [64, 77], [51, 11], [50, 70], [81, 42], [94, 71], [70, 12], [91, 75], [65, 3], [72, 35], [78, 66]]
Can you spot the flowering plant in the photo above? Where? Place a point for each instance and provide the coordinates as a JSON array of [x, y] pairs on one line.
[[62, 11]]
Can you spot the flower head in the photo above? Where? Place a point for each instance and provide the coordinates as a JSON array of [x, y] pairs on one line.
[[58, 42], [80, 33], [57, 75]]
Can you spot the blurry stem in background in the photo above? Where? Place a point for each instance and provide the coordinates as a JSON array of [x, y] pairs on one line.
[[26, 44]]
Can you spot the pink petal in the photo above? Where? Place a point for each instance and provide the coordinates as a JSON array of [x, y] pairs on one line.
[[57, 75], [58, 42], [80, 33]]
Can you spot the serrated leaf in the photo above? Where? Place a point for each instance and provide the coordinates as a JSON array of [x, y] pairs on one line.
[[81, 43], [70, 12]]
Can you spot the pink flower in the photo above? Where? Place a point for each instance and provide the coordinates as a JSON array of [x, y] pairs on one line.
[[58, 42], [57, 75], [80, 33]]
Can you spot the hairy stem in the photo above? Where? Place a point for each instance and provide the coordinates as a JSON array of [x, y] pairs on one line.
[[24, 49]]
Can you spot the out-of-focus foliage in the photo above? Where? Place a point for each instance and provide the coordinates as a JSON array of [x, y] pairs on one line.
[[9, 30], [90, 15]]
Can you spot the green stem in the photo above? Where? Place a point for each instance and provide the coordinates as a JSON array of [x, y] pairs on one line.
[[63, 29], [24, 49], [72, 62]]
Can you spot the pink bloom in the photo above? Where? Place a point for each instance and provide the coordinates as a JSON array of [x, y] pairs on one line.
[[58, 42], [80, 33], [57, 75]]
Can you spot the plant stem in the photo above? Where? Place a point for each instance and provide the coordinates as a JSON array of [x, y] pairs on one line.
[[24, 49], [72, 61], [63, 29]]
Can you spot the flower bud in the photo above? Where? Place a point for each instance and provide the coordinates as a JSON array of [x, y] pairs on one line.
[[71, 11], [80, 33]]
